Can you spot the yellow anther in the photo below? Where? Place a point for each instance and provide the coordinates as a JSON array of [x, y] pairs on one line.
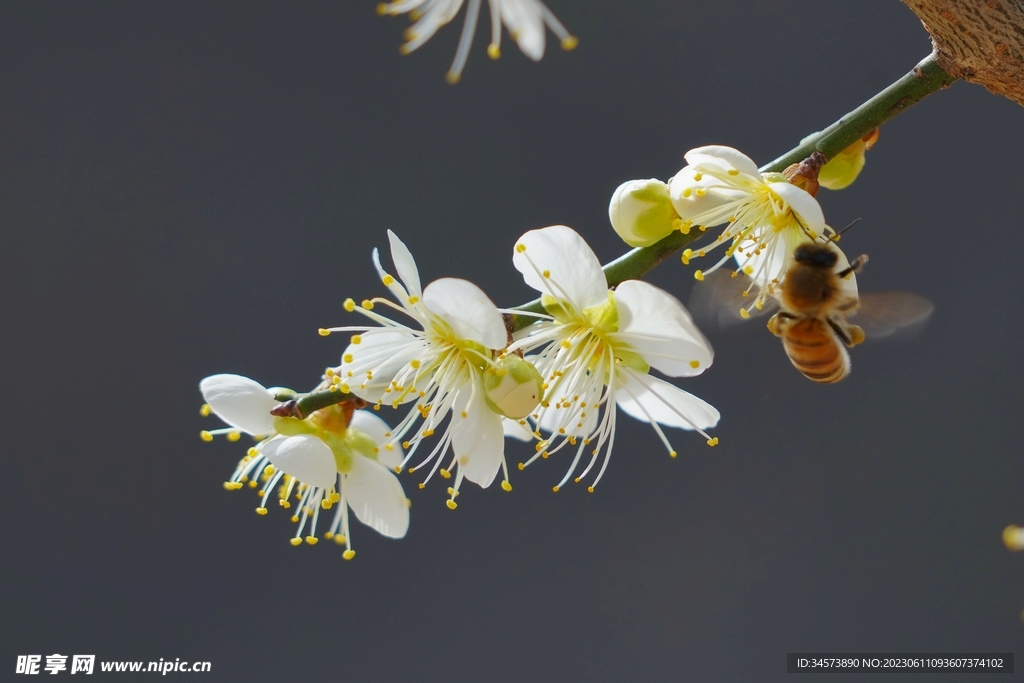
[[759, 305], [325, 504], [698, 176], [452, 492], [570, 43], [555, 489], [356, 339], [713, 441], [328, 535], [253, 484], [339, 539], [296, 541], [261, 511], [506, 486], [347, 358], [520, 247], [408, 502], [744, 313], [521, 466], [590, 489], [445, 473], [312, 540], [566, 344], [413, 300], [733, 171], [284, 503], [388, 280], [672, 454], [1013, 537], [698, 275], [702, 228], [234, 436], [269, 470], [345, 389], [452, 77], [414, 364], [382, 9], [546, 273], [335, 497], [398, 469], [367, 304], [694, 364], [427, 433], [205, 435], [205, 410], [544, 455], [349, 305], [493, 51], [748, 270], [324, 332], [261, 492], [451, 504], [422, 485], [349, 554]]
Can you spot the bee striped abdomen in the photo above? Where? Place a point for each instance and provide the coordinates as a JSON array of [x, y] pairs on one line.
[[814, 350]]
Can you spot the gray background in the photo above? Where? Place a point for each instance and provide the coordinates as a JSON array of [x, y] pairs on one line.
[[193, 188]]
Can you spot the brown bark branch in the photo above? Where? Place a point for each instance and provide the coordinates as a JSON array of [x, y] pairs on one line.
[[981, 41]]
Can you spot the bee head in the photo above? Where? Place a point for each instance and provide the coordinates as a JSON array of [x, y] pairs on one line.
[[815, 255]]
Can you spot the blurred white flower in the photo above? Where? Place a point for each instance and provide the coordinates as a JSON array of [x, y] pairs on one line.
[[598, 346], [765, 215], [524, 19], [334, 456], [438, 367]]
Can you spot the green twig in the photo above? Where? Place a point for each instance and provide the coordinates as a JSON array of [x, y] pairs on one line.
[[924, 79]]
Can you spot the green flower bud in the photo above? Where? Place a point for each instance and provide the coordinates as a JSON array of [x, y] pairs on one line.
[[513, 387], [641, 212]]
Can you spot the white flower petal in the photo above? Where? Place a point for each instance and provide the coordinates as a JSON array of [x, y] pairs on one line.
[[803, 204], [376, 497], [477, 439], [464, 306], [304, 457], [664, 403], [721, 156], [385, 353], [657, 326], [241, 402], [512, 428], [526, 24], [688, 203], [574, 273], [378, 430], [405, 264]]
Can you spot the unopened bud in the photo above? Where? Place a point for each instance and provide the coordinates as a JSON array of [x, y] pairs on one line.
[[641, 212], [513, 387], [844, 168]]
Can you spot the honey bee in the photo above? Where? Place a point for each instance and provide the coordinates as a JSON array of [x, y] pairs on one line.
[[812, 320], [814, 304]]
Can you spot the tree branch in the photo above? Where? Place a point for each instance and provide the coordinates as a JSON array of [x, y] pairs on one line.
[[980, 42], [924, 79]]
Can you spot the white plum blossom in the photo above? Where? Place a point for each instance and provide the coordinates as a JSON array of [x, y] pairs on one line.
[[333, 457], [765, 215], [439, 368], [596, 349], [524, 19]]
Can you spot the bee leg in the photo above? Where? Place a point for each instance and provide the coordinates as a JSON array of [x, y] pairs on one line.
[[855, 265], [856, 334], [844, 334]]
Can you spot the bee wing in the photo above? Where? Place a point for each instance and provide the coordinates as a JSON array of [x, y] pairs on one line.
[[885, 314], [718, 299]]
